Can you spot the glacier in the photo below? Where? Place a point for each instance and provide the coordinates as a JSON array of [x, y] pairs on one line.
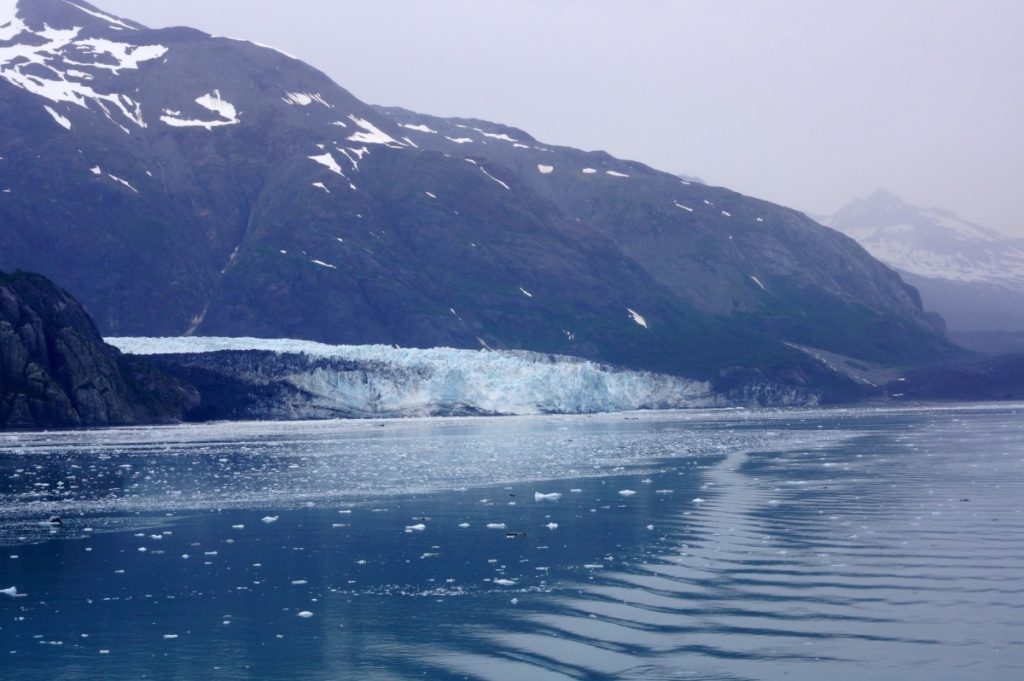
[[303, 379]]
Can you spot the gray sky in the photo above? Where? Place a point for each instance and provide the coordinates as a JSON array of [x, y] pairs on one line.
[[808, 103]]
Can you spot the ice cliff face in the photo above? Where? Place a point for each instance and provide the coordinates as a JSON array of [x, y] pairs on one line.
[[259, 378]]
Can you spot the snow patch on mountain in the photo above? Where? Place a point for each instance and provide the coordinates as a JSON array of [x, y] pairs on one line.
[[305, 99], [211, 102], [931, 242], [371, 134], [388, 381]]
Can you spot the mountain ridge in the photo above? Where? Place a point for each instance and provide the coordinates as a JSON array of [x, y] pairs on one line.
[[211, 186]]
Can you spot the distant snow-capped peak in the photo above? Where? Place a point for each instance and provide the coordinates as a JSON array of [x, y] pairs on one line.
[[931, 242]]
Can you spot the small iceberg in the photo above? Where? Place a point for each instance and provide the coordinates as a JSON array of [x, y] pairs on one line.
[[550, 496]]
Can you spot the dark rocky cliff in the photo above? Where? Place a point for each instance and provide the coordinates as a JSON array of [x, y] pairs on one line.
[[56, 371]]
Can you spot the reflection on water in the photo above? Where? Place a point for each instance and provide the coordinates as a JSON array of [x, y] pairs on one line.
[[721, 545]]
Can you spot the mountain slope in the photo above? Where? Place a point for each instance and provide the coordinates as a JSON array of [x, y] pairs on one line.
[[182, 183], [972, 276], [55, 369]]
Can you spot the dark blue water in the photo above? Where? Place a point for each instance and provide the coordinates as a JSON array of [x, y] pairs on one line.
[[805, 544]]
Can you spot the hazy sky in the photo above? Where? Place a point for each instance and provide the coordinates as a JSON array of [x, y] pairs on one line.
[[808, 103]]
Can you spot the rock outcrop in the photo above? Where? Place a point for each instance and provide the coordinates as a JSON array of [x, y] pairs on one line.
[[56, 371]]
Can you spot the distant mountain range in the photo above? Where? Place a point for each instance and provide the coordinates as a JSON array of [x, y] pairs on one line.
[[180, 183], [971, 275]]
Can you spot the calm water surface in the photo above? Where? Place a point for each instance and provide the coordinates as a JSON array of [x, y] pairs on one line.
[[797, 544]]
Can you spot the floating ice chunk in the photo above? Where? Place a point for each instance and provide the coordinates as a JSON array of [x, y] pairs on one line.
[[418, 127], [550, 496], [758, 282], [504, 582], [650, 527], [321, 185], [726, 213], [270, 519], [10, 591], [589, 171], [760, 219], [637, 317], [495, 526], [321, 263], [698, 500], [61, 121], [552, 526], [299, 582], [575, 490], [305, 614], [418, 527], [545, 170], [686, 208], [96, 170], [463, 525], [593, 566], [170, 637], [525, 292], [433, 196], [615, 173], [664, 491], [626, 492], [774, 502]]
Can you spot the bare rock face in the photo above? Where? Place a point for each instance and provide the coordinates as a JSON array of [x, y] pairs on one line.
[[56, 371]]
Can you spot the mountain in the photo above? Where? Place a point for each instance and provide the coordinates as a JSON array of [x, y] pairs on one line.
[[971, 275], [182, 183], [56, 371]]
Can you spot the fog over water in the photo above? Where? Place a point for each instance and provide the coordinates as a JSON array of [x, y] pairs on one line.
[[804, 103]]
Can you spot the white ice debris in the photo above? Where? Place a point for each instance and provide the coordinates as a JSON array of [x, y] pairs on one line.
[[504, 582], [418, 527], [552, 526], [270, 519], [698, 500], [726, 213], [626, 492], [321, 185], [589, 171], [686, 208], [495, 526], [463, 525], [419, 127], [545, 170], [637, 317], [411, 381], [61, 120], [615, 173], [305, 614], [321, 263], [10, 591], [758, 282], [211, 101], [371, 134], [525, 292], [549, 496], [431, 195], [327, 160], [305, 99]]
